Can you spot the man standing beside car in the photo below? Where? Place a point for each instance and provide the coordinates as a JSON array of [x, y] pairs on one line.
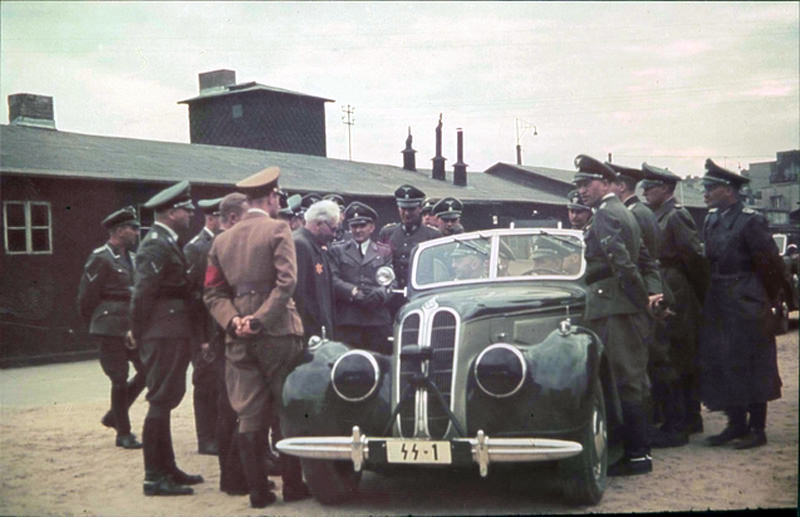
[[362, 317], [737, 354], [104, 294], [617, 304]]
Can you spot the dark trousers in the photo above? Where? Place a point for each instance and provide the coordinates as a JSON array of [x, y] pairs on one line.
[[737, 416], [114, 359], [231, 474], [165, 361], [366, 337], [207, 368]]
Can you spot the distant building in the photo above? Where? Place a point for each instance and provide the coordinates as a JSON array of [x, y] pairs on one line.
[[776, 187]]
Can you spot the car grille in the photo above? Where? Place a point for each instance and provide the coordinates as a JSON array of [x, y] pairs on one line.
[[441, 337]]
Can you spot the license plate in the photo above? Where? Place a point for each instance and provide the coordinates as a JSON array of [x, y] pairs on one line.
[[418, 451]]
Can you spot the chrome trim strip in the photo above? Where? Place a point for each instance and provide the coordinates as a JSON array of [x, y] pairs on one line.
[[514, 350], [398, 366], [376, 371], [485, 450]]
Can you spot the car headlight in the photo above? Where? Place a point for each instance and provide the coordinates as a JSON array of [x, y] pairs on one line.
[[355, 375], [500, 370]]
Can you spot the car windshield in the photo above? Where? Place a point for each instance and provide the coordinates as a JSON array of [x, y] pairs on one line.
[[499, 255]]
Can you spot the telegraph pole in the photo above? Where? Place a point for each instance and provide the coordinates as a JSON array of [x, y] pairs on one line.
[[525, 125], [349, 121]]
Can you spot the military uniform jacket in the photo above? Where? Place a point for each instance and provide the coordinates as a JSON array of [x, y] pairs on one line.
[[161, 291], [352, 270], [196, 253], [252, 270], [613, 242], [402, 240], [737, 353], [651, 239], [104, 292], [314, 293]]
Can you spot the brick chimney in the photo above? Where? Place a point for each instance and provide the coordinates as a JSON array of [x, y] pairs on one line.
[[216, 81], [438, 160], [409, 160], [460, 168], [28, 109]]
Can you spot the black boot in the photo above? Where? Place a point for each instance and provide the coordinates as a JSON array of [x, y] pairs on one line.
[[251, 453], [736, 428], [294, 489], [156, 479], [132, 390], [168, 452], [231, 475], [205, 418], [756, 437], [637, 458]]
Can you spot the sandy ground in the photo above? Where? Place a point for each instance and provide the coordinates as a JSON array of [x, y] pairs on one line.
[[56, 459]]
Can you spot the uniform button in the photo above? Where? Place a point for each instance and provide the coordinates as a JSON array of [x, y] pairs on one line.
[[599, 291], [105, 312], [172, 311]]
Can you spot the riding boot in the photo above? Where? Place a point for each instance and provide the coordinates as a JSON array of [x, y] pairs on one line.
[[132, 390], [251, 454], [755, 437], [294, 489], [736, 428], [119, 408], [205, 419], [157, 480], [671, 433], [636, 459], [168, 452]]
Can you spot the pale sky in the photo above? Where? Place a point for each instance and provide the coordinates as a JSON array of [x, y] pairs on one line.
[[666, 83]]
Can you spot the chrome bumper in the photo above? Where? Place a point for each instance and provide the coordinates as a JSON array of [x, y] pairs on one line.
[[484, 449]]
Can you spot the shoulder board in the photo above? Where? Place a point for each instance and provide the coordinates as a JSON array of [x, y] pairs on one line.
[[602, 205], [196, 238], [712, 210], [746, 210], [389, 226], [678, 205], [100, 249]]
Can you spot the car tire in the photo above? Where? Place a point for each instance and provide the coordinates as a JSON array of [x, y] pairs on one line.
[[583, 477], [331, 482]]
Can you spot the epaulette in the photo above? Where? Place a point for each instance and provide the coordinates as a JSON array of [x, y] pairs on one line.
[[678, 205], [152, 234], [196, 237], [746, 210], [100, 249], [712, 210], [602, 205], [389, 226]]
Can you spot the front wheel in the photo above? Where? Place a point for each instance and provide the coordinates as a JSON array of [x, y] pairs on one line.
[[331, 482], [583, 477]]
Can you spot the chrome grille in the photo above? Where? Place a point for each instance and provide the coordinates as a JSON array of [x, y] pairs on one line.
[[409, 335]]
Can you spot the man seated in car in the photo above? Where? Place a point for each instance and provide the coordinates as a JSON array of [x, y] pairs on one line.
[[546, 261], [470, 260]]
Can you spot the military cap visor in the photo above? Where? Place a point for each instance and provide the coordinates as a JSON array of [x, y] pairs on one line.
[[630, 172], [210, 206], [125, 216], [178, 195], [359, 213], [655, 176], [716, 175], [592, 169], [260, 184], [575, 202], [336, 198], [309, 199], [409, 196], [448, 208]]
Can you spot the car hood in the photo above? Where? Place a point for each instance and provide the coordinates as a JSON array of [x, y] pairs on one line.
[[487, 300]]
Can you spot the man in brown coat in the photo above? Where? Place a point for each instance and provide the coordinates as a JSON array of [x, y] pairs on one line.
[[249, 283]]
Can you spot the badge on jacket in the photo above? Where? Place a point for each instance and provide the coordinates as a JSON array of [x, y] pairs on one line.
[[318, 268]]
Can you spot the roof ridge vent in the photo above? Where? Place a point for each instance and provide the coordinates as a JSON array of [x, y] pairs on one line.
[[216, 81], [28, 109]]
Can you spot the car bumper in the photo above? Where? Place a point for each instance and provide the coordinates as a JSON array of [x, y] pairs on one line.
[[480, 450]]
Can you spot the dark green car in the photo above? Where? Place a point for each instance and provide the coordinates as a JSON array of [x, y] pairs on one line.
[[490, 365]]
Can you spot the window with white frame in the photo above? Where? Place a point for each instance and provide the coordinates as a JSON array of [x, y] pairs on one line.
[[27, 228]]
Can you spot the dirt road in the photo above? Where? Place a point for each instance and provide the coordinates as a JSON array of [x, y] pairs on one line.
[[55, 458]]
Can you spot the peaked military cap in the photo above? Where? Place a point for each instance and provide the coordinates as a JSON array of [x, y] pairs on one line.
[[428, 204], [477, 247], [210, 206], [408, 196], [309, 199], [717, 175], [635, 174], [574, 201], [293, 206], [260, 184], [336, 198], [655, 176], [448, 208], [359, 213], [125, 215], [592, 169], [178, 195]]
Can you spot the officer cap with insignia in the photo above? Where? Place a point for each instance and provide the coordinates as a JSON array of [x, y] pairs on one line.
[[178, 195], [629, 175], [656, 176], [260, 184], [448, 208], [210, 206], [359, 213], [336, 198], [427, 205], [592, 169], [574, 201], [293, 207], [125, 215], [716, 175], [309, 199], [408, 196]]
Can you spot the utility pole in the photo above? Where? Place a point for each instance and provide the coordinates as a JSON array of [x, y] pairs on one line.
[[525, 125], [349, 110]]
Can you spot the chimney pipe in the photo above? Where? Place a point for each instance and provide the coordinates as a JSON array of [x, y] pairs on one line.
[[519, 154], [28, 109], [438, 160], [216, 81], [409, 160], [460, 168], [609, 158]]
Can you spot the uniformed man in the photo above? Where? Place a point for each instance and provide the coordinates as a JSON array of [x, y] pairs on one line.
[[578, 213], [249, 284], [314, 292], [206, 363], [362, 316], [737, 356], [342, 232], [402, 237], [617, 304], [448, 214], [428, 219], [685, 271], [104, 294], [161, 327], [470, 260]]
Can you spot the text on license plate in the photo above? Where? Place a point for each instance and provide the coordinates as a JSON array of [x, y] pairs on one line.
[[418, 451]]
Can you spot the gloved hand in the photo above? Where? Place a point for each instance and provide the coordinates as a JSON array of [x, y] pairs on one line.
[[376, 295]]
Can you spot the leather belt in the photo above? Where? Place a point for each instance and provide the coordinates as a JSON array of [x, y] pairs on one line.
[[252, 288], [599, 274]]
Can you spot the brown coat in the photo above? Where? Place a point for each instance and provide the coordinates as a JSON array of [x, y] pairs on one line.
[[252, 269]]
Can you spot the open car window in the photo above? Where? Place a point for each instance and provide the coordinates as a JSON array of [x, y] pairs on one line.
[[500, 255]]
